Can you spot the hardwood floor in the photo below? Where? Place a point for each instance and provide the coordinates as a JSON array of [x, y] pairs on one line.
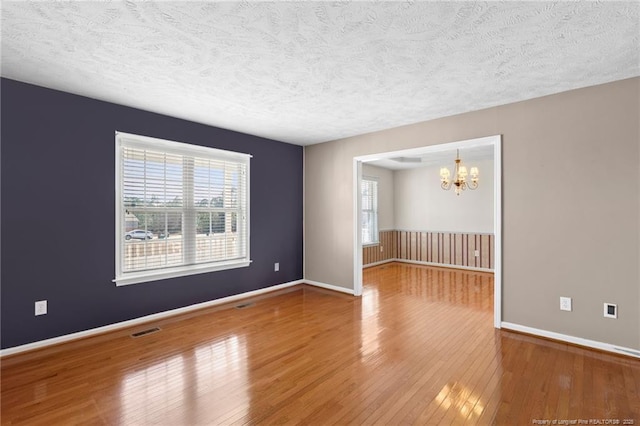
[[418, 348]]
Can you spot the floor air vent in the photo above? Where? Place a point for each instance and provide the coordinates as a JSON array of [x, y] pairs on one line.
[[243, 305], [145, 332]]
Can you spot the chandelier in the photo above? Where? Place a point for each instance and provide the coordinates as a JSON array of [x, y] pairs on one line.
[[459, 181]]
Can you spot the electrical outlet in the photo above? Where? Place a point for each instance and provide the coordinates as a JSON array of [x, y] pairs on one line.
[[41, 307], [610, 310], [565, 304], [276, 266], [381, 249], [476, 253]]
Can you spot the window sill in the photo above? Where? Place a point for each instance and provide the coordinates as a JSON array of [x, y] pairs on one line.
[[375, 243], [156, 275]]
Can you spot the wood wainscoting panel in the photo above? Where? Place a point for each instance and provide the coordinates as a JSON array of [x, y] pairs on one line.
[[444, 248], [433, 248], [386, 249]]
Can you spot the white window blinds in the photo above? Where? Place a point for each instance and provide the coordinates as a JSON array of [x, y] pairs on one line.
[[369, 211], [181, 209]]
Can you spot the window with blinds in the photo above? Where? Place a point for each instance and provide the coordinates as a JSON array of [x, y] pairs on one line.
[[180, 209], [369, 210]]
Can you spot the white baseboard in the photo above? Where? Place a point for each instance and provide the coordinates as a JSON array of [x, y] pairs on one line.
[[382, 262], [153, 317], [442, 265], [329, 286], [572, 339]]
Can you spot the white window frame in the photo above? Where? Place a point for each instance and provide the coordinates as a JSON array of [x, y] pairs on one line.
[[374, 211], [161, 145]]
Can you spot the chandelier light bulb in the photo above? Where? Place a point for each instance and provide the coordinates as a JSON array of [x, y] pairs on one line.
[[444, 174]]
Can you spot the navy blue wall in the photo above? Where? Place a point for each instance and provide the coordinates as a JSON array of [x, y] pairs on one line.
[[58, 217]]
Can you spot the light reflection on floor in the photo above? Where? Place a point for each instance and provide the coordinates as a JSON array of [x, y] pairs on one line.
[[149, 392], [462, 399], [187, 386], [369, 340]]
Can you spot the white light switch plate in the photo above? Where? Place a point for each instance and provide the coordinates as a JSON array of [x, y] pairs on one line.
[[565, 304]]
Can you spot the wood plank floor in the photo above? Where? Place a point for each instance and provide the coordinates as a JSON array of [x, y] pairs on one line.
[[418, 348]]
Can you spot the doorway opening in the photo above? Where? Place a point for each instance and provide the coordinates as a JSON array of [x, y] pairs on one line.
[[492, 142]]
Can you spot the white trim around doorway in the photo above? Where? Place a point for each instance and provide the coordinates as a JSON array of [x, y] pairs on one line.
[[496, 142]]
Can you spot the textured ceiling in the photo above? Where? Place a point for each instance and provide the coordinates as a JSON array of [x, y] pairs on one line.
[[308, 72]]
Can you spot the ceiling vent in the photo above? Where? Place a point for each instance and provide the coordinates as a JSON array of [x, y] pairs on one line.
[[407, 159]]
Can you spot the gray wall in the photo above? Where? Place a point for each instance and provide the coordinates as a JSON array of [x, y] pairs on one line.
[[422, 205], [571, 205]]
